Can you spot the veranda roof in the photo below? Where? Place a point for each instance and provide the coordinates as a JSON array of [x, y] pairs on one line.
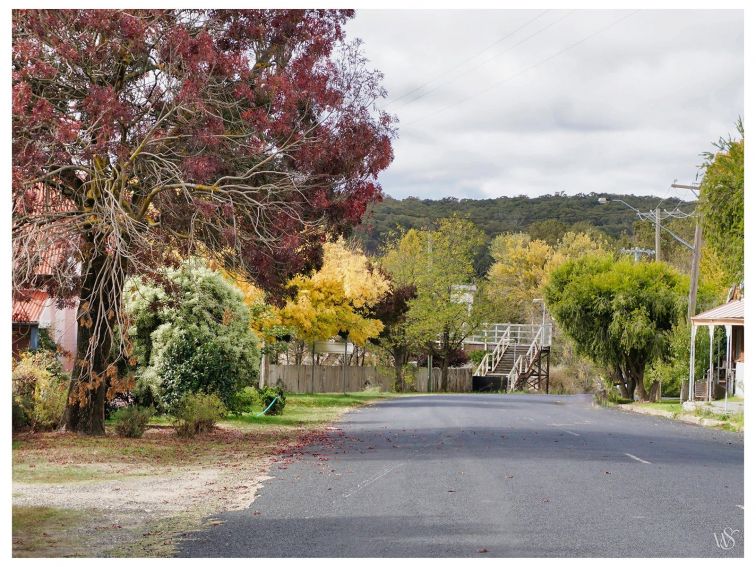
[[731, 313]]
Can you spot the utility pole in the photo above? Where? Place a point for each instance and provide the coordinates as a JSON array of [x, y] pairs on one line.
[[658, 234], [343, 370], [697, 243], [694, 270]]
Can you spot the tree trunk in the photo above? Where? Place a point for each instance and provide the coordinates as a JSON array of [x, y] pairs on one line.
[[100, 297], [400, 355], [299, 353], [398, 375], [637, 371], [630, 389], [444, 373], [619, 379]]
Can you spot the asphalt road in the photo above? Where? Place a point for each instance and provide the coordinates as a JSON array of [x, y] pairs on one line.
[[495, 475]]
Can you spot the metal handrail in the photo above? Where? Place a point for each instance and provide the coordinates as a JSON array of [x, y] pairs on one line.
[[491, 359], [520, 364], [520, 333]]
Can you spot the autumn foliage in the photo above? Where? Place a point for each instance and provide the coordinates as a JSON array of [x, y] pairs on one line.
[[140, 136], [337, 298]]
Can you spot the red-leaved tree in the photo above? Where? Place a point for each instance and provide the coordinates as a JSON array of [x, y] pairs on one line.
[[143, 137]]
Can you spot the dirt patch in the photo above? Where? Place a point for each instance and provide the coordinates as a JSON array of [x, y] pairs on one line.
[[137, 497]]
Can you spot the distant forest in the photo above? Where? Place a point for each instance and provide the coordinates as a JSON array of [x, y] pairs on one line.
[[541, 217]]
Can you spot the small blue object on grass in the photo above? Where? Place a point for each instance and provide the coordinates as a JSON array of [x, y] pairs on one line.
[[270, 405]]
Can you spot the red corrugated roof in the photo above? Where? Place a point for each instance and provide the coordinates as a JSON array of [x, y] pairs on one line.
[[27, 308]]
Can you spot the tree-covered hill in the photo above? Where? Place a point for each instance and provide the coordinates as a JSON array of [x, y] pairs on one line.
[[511, 214]]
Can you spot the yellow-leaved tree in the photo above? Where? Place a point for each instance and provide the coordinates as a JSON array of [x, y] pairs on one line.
[[335, 299], [522, 266]]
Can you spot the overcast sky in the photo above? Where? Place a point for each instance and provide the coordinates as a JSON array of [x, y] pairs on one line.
[[510, 102]]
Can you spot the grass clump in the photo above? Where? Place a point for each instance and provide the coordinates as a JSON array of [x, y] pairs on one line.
[[197, 413], [132, 421]]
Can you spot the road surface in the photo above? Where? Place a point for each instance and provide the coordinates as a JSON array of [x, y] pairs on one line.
[[496, 475]]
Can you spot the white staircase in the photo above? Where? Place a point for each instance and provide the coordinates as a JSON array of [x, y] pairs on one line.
[[518, 357]]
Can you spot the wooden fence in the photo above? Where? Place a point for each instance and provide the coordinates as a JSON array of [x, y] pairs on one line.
[[460, 380], [306, 379]]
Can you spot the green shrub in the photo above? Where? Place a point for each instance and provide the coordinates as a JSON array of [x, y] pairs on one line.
[[20, 417], [39, 391], [610, 396], [197, 338], [132, 421], [243, 401], [196, 361], [267, 395], [408, 375], [147, 391], [197, 413], [50, 395]]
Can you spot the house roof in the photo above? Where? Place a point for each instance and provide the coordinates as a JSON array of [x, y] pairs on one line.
[[28, 307], [732, 313]]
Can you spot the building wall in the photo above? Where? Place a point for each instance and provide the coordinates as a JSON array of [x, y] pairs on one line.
[[61, 325]]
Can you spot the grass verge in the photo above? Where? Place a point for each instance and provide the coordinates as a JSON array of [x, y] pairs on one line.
[[43, 531], [673, 409], [309, 409]]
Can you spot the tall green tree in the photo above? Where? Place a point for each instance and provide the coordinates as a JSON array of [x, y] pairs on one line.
[[721, 202], [395, 338], [618, 313], [440, 264]]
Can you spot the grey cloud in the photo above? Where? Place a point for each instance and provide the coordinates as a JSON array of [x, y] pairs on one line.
[[626, 110]]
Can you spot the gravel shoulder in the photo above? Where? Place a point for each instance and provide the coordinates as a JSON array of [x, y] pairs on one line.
[[79, 496]]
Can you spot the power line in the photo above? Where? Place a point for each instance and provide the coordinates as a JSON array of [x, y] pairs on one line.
[[510, 48], [442, 75], [526, 69]]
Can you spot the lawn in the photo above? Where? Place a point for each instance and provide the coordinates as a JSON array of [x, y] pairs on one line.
[[107, 496], [38, 528], [309, 409]]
